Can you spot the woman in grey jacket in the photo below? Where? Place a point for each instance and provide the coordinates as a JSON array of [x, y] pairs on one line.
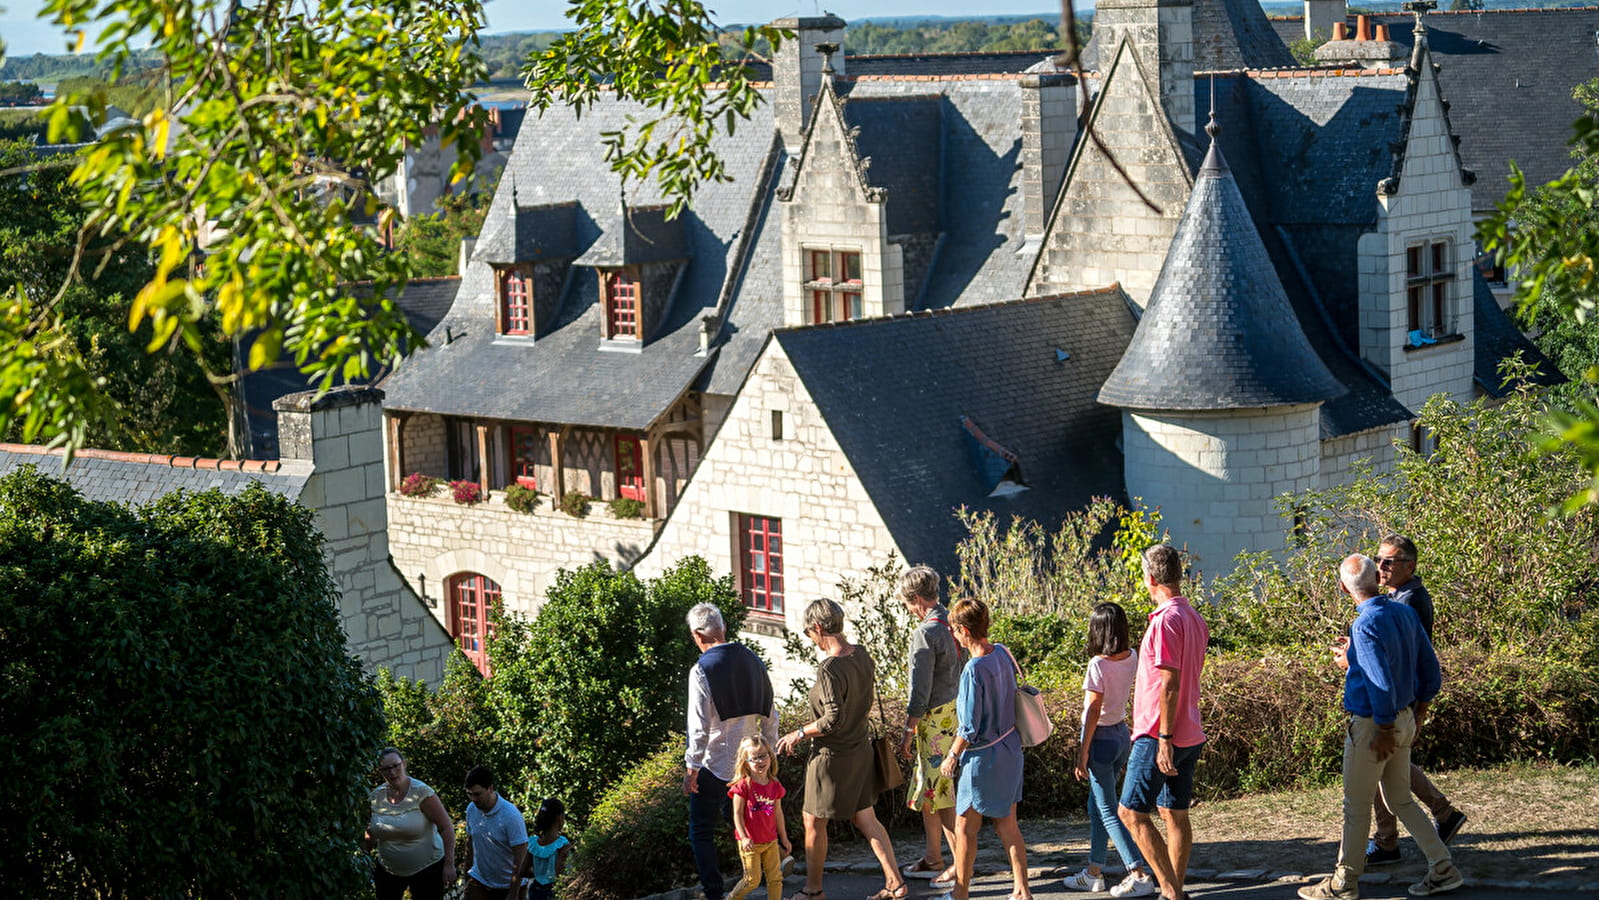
[[930, 720]]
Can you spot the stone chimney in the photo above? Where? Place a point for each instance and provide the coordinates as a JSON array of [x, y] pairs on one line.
[[797, 72], [1321, 16], [1168, 64], [1369, 48], [1049, 125]]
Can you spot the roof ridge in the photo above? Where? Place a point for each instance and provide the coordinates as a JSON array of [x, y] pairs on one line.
[[1458, 12], [1330, 72], [266, 466], [1114, 286], [948, 54]]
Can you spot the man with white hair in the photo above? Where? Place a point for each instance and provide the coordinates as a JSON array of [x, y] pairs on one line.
[[729, 697], [1392, 678]]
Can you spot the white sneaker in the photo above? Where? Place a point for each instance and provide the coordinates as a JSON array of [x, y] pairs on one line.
[[1441, 879], [1136, 884], [1082, 881]]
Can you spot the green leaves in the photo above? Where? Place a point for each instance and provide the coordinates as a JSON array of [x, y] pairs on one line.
[[669, 56], [250, 181]]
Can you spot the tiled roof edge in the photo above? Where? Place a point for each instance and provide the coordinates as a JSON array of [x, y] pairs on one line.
[[1339, 72], [951, 54], [264, 466], [1461, 12], [1113, 287]]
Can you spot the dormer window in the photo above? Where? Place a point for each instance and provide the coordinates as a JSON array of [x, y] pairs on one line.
[[1427, 282], [833, 284], [516, 301], [621, 306]]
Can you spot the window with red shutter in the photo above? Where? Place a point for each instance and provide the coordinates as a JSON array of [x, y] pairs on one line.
[[621, 307], [524, 451], [516, 303], [833, 282], [629, 468], [761, 563]]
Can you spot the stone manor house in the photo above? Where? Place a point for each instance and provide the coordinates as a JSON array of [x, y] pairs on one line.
[[925, 287]]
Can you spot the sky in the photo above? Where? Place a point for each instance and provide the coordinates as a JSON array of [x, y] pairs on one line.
[[25, 35]]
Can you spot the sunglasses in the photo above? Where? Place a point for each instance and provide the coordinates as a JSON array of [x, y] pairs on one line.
[[757, 760], [1392, 560]]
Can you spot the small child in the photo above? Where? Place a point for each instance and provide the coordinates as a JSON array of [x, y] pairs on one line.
[[547, 852], [1106, 744], [758, 818]]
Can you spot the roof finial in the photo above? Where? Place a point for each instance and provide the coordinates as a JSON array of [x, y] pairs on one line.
[[1214, 128], [1419, 9]]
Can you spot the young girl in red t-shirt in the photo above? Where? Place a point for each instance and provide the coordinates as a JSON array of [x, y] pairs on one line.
[[758, 818]]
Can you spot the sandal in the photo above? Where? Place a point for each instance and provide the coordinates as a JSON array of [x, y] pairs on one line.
[[898, 893], [945, 879], [803, 894], [921, 868]]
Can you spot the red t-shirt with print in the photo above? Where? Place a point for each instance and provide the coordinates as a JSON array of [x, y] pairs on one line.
[[760, 807]]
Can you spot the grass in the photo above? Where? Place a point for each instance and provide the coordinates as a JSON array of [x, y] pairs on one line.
[[1526, 821]]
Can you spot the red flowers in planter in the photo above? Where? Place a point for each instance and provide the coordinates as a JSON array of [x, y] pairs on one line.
[[466, 492]]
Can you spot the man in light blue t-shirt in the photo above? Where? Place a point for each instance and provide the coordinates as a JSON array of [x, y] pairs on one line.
[[499, 840]]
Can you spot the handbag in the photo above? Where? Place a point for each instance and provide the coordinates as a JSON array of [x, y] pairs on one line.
[[889, 774], [1032, 719]]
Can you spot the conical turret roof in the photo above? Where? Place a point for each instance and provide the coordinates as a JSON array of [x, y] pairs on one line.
[[1219, 331]]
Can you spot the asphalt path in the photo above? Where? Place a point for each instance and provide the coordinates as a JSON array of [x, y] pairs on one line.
[[856, 886]]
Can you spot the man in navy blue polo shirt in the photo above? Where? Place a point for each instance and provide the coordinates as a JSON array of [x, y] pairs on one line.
[[1392, 678]]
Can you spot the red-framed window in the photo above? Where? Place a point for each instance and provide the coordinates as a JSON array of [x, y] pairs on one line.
[[516, 302], [833, 283], [760, 552], [524, 453], [629, 467], [472, 598], [1427, 279], [621, 306]]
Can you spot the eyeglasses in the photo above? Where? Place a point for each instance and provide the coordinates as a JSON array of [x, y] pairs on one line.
[[1392, 560], [757, 760]]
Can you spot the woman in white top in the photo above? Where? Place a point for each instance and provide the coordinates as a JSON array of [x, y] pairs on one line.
[[413, 835], [1106, 742]]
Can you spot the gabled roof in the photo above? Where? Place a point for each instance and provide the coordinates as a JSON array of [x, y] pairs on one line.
[[893, 392], [1508, 75], [637, 235], [136, 479], [1219, 332], [900, 144], [528, 234], [1227, 34], [1496, 338]]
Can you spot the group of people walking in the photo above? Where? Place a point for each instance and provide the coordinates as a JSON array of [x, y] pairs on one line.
[[961, 739]]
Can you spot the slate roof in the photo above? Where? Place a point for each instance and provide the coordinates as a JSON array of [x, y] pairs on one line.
[[1508, 75], [1497, 338], [927, 65], [424, 303], [570, 375], [893, 391], [900, 136], [1218, 332], [517, 233], [135, 479], [637, 235]]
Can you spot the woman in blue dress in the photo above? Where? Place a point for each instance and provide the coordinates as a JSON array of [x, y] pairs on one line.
[[987, 751]]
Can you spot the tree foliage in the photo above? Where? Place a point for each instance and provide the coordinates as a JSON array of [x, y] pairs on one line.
[[160, 402], [1548, 237], [276, 117], [181, 713], [433, 242]]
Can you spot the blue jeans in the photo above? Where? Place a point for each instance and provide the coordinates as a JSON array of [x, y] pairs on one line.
[[705, 808], [1107, 753]]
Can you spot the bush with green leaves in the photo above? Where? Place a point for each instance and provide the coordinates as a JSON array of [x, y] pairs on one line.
[[182, 716], [585, 690], [521, 498], [626, 508], [575, 504]]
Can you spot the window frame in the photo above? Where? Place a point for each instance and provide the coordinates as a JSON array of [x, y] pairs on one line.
[[506, 318], [1428, 276], [523, 470], [756, 586], [830, 298], [610, 281], [634, 487], [486, 595]]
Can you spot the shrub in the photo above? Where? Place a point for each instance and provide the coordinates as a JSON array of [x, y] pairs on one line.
[[466, 492], [627, 508], [176, 681], [585, 690], [635, 842], [575, 504], [418, 485], [522, 499], [447, 730]]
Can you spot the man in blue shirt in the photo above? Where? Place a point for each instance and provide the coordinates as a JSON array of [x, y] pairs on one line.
[[1393, 676], [499, 840], [1396, 569]]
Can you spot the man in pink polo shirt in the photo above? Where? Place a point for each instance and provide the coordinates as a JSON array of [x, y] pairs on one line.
[[1167, 735]]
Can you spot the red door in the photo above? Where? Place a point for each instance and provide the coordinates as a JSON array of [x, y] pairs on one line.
[[629, 467], [472, 597]]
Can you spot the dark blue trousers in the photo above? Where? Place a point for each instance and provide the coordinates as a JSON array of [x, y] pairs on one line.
[[704, 810]]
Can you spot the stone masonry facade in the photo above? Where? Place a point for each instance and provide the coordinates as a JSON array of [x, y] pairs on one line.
[[830, 528]]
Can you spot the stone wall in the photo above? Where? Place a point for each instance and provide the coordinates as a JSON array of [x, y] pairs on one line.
[[422, 439], [1049, 126], [434, 538], [1162, 32], [1432, 203], [1216, 476], [342, 434], [830, 527], [1339, 455]]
